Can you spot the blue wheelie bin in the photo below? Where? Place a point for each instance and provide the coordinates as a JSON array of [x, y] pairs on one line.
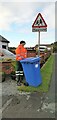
[[31, 68]]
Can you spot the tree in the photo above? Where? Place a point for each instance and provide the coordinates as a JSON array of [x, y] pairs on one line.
[[55, 47]]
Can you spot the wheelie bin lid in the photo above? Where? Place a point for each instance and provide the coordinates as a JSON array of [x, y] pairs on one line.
[[30, 60]]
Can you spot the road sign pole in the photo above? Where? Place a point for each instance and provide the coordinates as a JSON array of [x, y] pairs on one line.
[[38, 26], [38, 43]]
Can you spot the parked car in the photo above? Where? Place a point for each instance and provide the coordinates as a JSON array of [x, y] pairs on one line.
[[6, 55]]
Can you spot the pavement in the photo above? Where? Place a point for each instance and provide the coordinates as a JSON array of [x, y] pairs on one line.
[[16, 104]]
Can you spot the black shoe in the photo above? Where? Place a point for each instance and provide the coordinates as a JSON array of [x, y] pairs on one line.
[[26, 84]]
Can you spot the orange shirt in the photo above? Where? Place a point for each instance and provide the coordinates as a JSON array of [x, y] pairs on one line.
[[21, 52]]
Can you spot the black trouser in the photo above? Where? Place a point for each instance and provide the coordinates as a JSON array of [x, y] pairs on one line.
[[19, 71]]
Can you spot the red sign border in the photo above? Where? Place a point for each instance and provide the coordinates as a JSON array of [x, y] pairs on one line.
[[36, 20]]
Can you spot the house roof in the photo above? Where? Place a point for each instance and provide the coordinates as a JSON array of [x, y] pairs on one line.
[[2, 39]]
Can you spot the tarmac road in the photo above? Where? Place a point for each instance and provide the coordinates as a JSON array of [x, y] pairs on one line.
[[17, 104]]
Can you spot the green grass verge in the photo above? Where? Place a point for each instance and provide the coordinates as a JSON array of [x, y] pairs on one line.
[[46, 72]]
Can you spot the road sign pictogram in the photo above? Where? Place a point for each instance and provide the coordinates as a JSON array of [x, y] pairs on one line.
[[39, 24]]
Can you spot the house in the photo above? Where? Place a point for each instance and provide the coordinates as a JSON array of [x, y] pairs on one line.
[[3, 42]]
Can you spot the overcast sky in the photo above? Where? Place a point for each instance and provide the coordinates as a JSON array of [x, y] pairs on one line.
[[16, 19]]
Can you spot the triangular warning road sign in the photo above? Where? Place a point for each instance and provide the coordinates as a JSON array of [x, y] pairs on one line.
[[39, 23]]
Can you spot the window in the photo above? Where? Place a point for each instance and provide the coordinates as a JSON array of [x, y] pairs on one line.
[[4, 46]]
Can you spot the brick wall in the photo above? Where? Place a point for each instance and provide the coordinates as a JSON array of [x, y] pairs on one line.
[[31, 53], [7, 67]]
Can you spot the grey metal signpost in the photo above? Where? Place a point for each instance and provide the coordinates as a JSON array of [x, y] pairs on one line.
[[39, 43], [39, 25]]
